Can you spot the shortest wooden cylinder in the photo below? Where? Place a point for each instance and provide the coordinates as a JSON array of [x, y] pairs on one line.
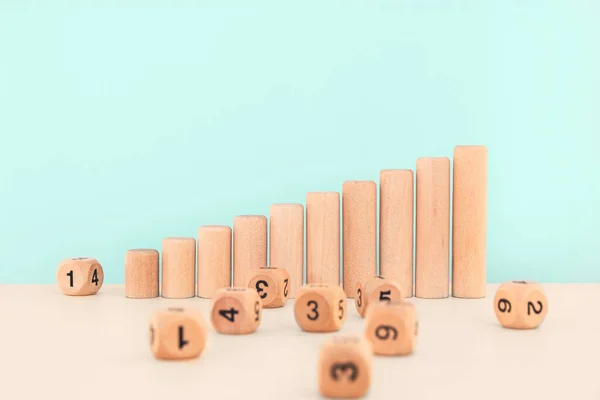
[[141, 274]]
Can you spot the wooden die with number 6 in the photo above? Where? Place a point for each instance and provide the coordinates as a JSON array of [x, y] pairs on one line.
[[80, 276], [392, 328], [375, 289], [236, 311], [320, 308], [520, 305], [272, 285], [177, 334], [344, 369]]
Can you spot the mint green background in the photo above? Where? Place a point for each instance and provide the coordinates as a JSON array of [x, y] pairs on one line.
[[123, 122]]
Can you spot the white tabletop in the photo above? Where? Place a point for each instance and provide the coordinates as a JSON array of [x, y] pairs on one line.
[[97, 348]]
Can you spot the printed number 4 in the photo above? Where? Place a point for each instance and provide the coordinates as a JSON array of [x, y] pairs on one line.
[[229, 315], [94, 277]]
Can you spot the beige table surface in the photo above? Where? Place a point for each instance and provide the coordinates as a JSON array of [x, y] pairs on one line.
[[54, 346]]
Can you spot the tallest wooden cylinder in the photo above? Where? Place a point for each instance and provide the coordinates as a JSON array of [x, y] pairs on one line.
[[359, 215], [469, 221]]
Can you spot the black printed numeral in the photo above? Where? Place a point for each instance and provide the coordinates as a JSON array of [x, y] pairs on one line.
[[182, 341], [257, 311], [341, 309], [385, 295], [260, 289], [341, 368], [95, 277], [229, 315], [285, 288], [384, 332], [70, 275], [531, 306], [359, 298], [504, 305], [315, 314]]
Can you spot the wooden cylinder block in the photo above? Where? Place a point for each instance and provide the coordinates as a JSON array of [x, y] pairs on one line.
[[359, 209], [178, 267], [287, 242], [323, 238], [396, 218], [214, 260], [433, 228], [141, 274], [469, 221], [249, 246]]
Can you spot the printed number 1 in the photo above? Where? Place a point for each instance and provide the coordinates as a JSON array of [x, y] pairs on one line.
[[70, 275]]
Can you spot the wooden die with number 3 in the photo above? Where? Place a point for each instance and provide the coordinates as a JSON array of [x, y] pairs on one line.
[[177, 334], [392, 328], [375, 289], [520, 305], [272, 285], [344, 369], [80, 276], [320, 308], [236, 311]]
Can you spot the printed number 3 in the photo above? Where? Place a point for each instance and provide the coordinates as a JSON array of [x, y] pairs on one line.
[[314, 310]]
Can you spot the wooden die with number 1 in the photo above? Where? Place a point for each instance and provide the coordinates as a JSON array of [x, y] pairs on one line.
[[80, 276], [236, 311], [320, 308], [177, 334], [272, 285]]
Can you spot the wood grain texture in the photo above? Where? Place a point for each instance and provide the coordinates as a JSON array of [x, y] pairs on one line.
[[287, 242], [214, 259], [432, 270], [359, 214], [323, 237], [142, 274], [396, 219], [178, 267], [469, 221], [249, 246]]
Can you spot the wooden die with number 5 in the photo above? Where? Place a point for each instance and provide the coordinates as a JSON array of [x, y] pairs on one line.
[[80, 276], [177, 334], [375, 289], [344, 369], [236, 311], [520, 305], [320, 308], [392, 328], [272, 285]]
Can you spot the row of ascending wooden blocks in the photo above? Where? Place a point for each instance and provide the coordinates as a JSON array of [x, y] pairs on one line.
[[248, 240]]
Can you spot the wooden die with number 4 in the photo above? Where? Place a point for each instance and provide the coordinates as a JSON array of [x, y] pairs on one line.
[[80, 276], [375, 289], [392, 328], [236, 311], [344, 369], [520, 305], [272, 285], [177, 334], [320, 308]]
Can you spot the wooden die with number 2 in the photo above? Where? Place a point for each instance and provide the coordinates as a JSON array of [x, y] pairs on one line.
[[320, 308], [177, 334], [520, 305], [344, 369], [392, 328], [80, 276], [236, 311], [375, 289], [272, 285]]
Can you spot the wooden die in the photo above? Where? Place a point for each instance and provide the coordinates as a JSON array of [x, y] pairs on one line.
[[344, 368], [177, 334], [392, 328], [320, 308], [272, 285], [372, 290], [236, 311], [520, 305], [80, 276]]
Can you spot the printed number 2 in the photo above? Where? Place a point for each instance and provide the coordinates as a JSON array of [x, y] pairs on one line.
[[70, 275], [531, 306], [285, 288]]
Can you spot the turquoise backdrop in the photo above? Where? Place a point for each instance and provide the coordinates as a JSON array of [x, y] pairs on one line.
[[123, 122]]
